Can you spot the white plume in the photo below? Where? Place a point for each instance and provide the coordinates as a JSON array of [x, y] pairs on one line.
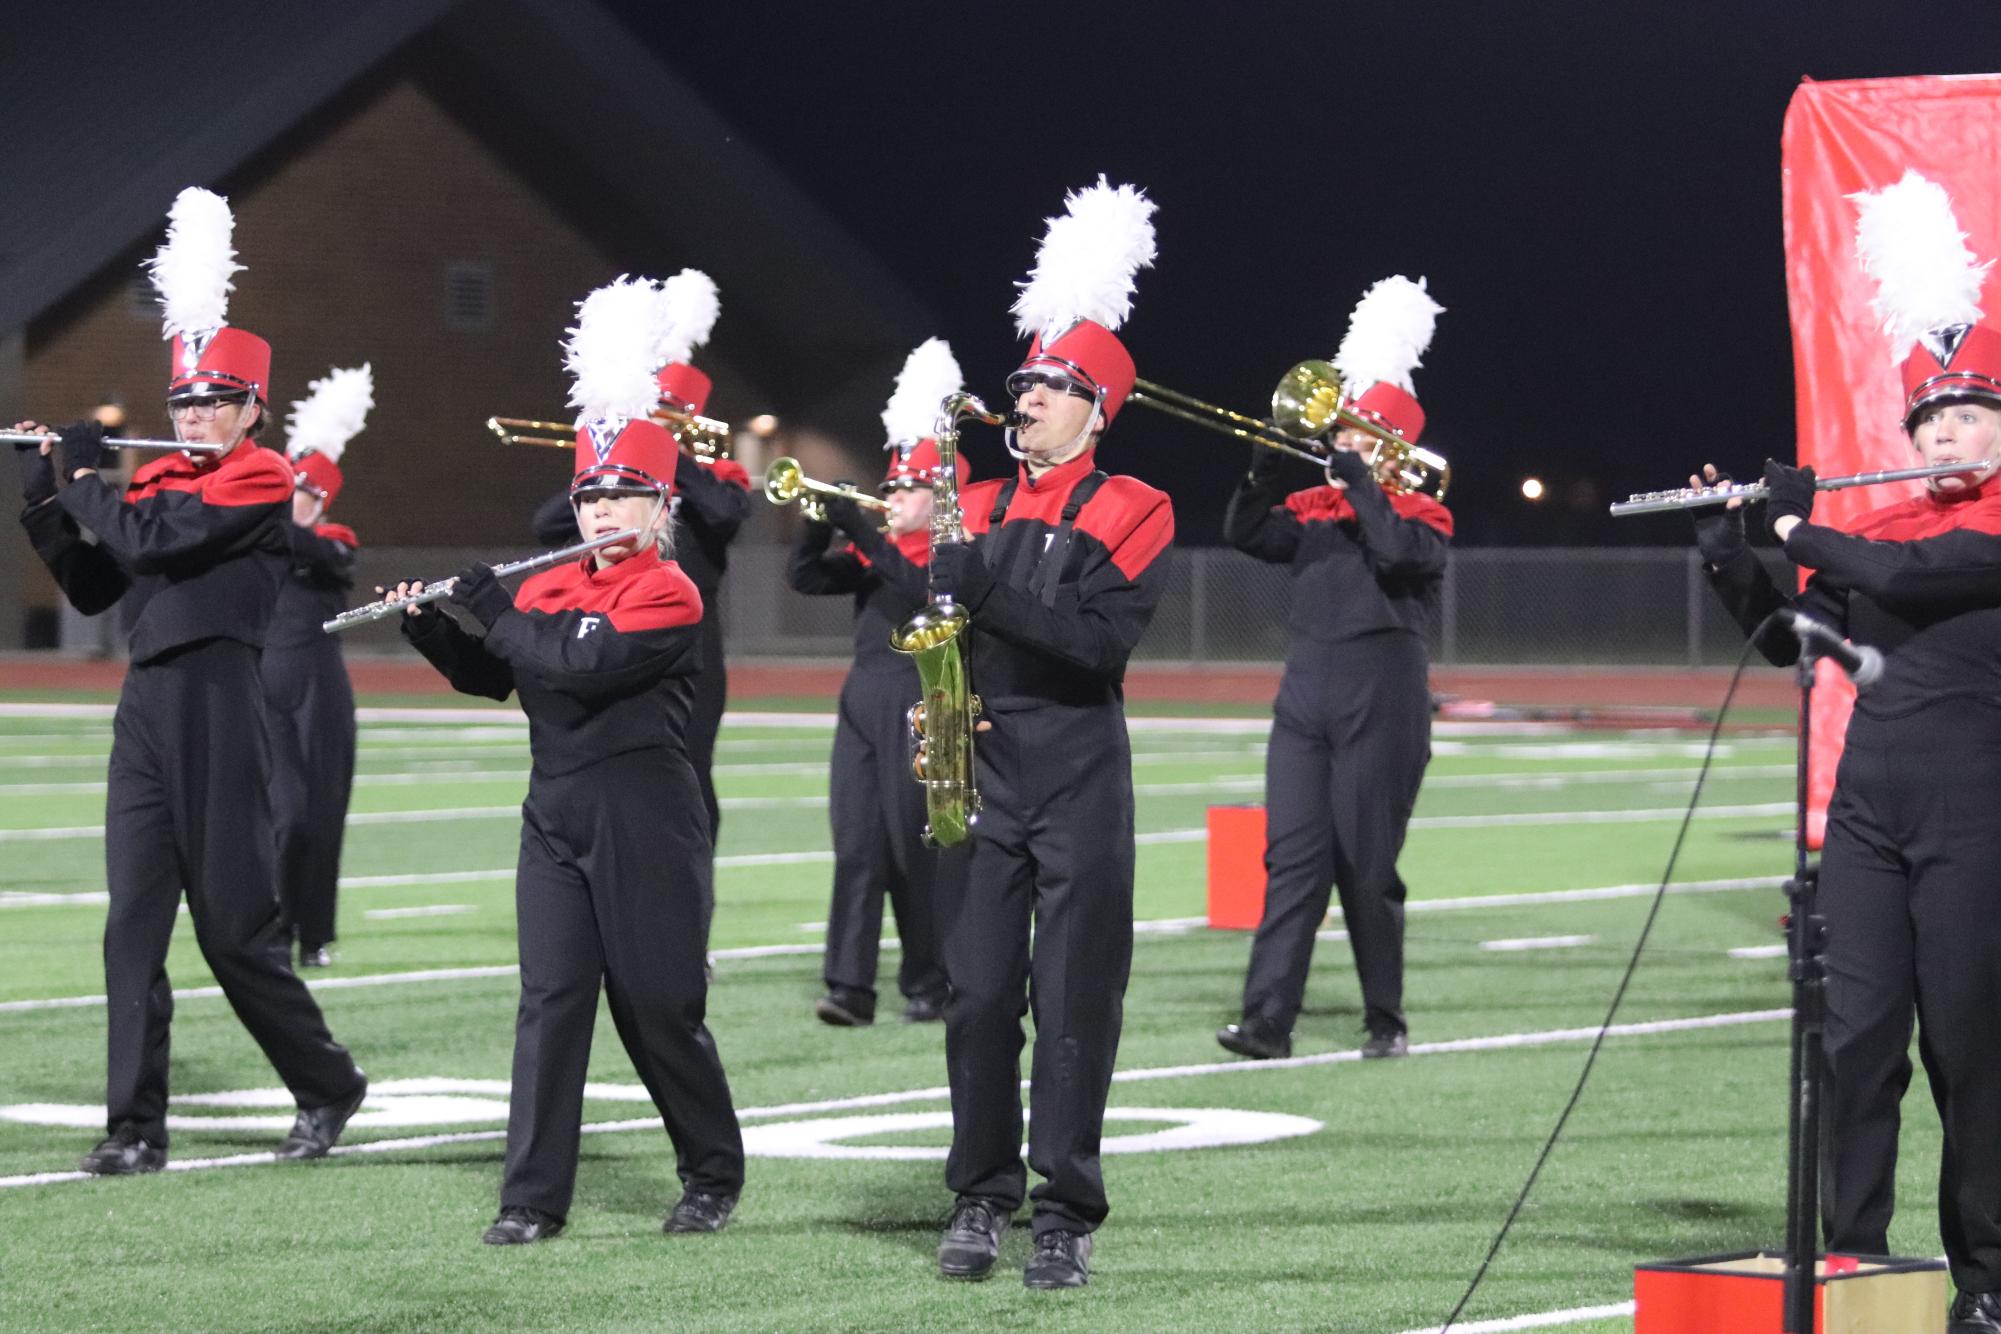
[[689, 306], [331, 414], [1908, 241], [192, 270], [1085, 266], [610, 354], [1388, 334], [929, 375]]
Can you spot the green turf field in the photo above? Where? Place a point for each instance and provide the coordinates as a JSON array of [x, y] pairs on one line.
[[1370, 1222]]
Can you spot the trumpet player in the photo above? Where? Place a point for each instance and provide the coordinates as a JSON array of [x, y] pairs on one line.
[[611, 887], [1351, 731], [198, 544], [1908, 865], [875, 810], [1061, 577]]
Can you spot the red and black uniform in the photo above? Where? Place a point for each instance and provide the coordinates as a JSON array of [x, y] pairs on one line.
[[711, 501], [1910, 871], [1351, 728], [309, 713], [197, 551], [1073, 573], [615, 859], [875, 807]]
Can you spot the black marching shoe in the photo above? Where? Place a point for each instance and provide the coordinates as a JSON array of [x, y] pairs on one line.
[[519, 1226], [924, 1009], [1256, 1037], [972, 1239], [1975, 1313], [699, 1211], [124, 1154], [1061, 1260], [317, 1129], [315, 956], [1381, 1045], [845, 1007]]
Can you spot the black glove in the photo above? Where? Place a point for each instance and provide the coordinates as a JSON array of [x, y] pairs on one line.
[[38, 474], [478, 590], [958, 569], [1347, 466], [1788, 490], [82, 446], [1265, 464], [1719, 530], [849, 517]]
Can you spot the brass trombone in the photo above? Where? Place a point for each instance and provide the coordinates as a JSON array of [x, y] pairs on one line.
[[705, 438], [1308, 405], [785, 482]]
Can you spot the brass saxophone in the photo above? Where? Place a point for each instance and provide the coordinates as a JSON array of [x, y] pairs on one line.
[[941, 721]]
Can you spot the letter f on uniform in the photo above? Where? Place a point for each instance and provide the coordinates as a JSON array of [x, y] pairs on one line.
[[587, 624]]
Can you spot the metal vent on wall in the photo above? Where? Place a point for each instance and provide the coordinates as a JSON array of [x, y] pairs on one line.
[[142, 302], [468, 296]]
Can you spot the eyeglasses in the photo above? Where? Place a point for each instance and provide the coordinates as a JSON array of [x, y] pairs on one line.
[[1021, 382], [201, 409]]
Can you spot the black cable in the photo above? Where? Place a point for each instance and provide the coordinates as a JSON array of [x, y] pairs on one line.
[[1632, 964]]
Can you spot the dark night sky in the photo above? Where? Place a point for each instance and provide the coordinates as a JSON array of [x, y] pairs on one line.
[[1591, 186]]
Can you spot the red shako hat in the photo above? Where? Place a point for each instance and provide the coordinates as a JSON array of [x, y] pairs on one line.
[[1080, 289], [1927, 293], [1388, 335], [321, 424], [919, 466], [193, 274]]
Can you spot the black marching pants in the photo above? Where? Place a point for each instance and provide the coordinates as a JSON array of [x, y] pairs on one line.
[[309, 711], [186, 811], [705, 718], [1053, 853], [614, 858], [876, 808], [1350, 738], [1910, 886]]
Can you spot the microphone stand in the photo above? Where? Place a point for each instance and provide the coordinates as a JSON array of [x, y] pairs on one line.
[[1805, 939]]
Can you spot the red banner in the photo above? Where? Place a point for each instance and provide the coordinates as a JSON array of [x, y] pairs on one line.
[[1840, 138]]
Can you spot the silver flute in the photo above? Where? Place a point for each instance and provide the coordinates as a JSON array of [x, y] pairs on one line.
[[1695, 497], [50, 438], [375, 611]]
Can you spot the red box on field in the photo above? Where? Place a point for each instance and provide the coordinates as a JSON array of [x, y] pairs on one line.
[[1745, 1294], [1236, 867]]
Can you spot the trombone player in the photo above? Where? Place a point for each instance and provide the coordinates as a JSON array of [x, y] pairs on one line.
[[876, 811], [1061, 574], [1351, 731]]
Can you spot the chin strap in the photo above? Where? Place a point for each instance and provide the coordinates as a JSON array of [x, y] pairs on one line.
[[1090, 424]]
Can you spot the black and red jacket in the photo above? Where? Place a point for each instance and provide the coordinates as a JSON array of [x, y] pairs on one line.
[[200, 547], [321, 575], [710, 502], [601, 658], [1363, 562], [1919, 580], [888, 582], [1066, 609]]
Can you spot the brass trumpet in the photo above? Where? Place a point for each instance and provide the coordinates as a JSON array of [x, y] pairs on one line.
[[704, 438], [1308, 406], [785, 482]]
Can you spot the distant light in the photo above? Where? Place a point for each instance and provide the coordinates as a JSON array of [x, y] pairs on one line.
[[110, 415], [762, 425], [1532, 488]]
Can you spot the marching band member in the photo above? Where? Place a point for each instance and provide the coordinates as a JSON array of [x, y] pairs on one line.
[[710, 502], [1907, 868], [615, 852], [1061, 576], [875, 810], [198, 545], [1351, 729], [308, 700]]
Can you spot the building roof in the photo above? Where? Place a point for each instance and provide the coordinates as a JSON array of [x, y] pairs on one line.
[[114, 107]]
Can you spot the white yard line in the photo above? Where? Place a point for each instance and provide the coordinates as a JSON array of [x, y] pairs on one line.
[[421, 910], [1576, 1315], [1498, 1042], [1523, 944]]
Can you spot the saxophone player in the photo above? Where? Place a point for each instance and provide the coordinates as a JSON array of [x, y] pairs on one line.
[[1061, 574]]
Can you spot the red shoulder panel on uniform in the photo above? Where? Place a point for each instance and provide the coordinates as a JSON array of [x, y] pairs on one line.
[[1921, 517], [338, 532], [255, 476], [1134, 521], [729, 470], [1319, 504], [976, 502], [916, 547], [1424, 509], [659, 599], [652, 595]]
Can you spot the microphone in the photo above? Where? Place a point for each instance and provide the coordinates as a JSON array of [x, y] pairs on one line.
[[1862, 663]]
